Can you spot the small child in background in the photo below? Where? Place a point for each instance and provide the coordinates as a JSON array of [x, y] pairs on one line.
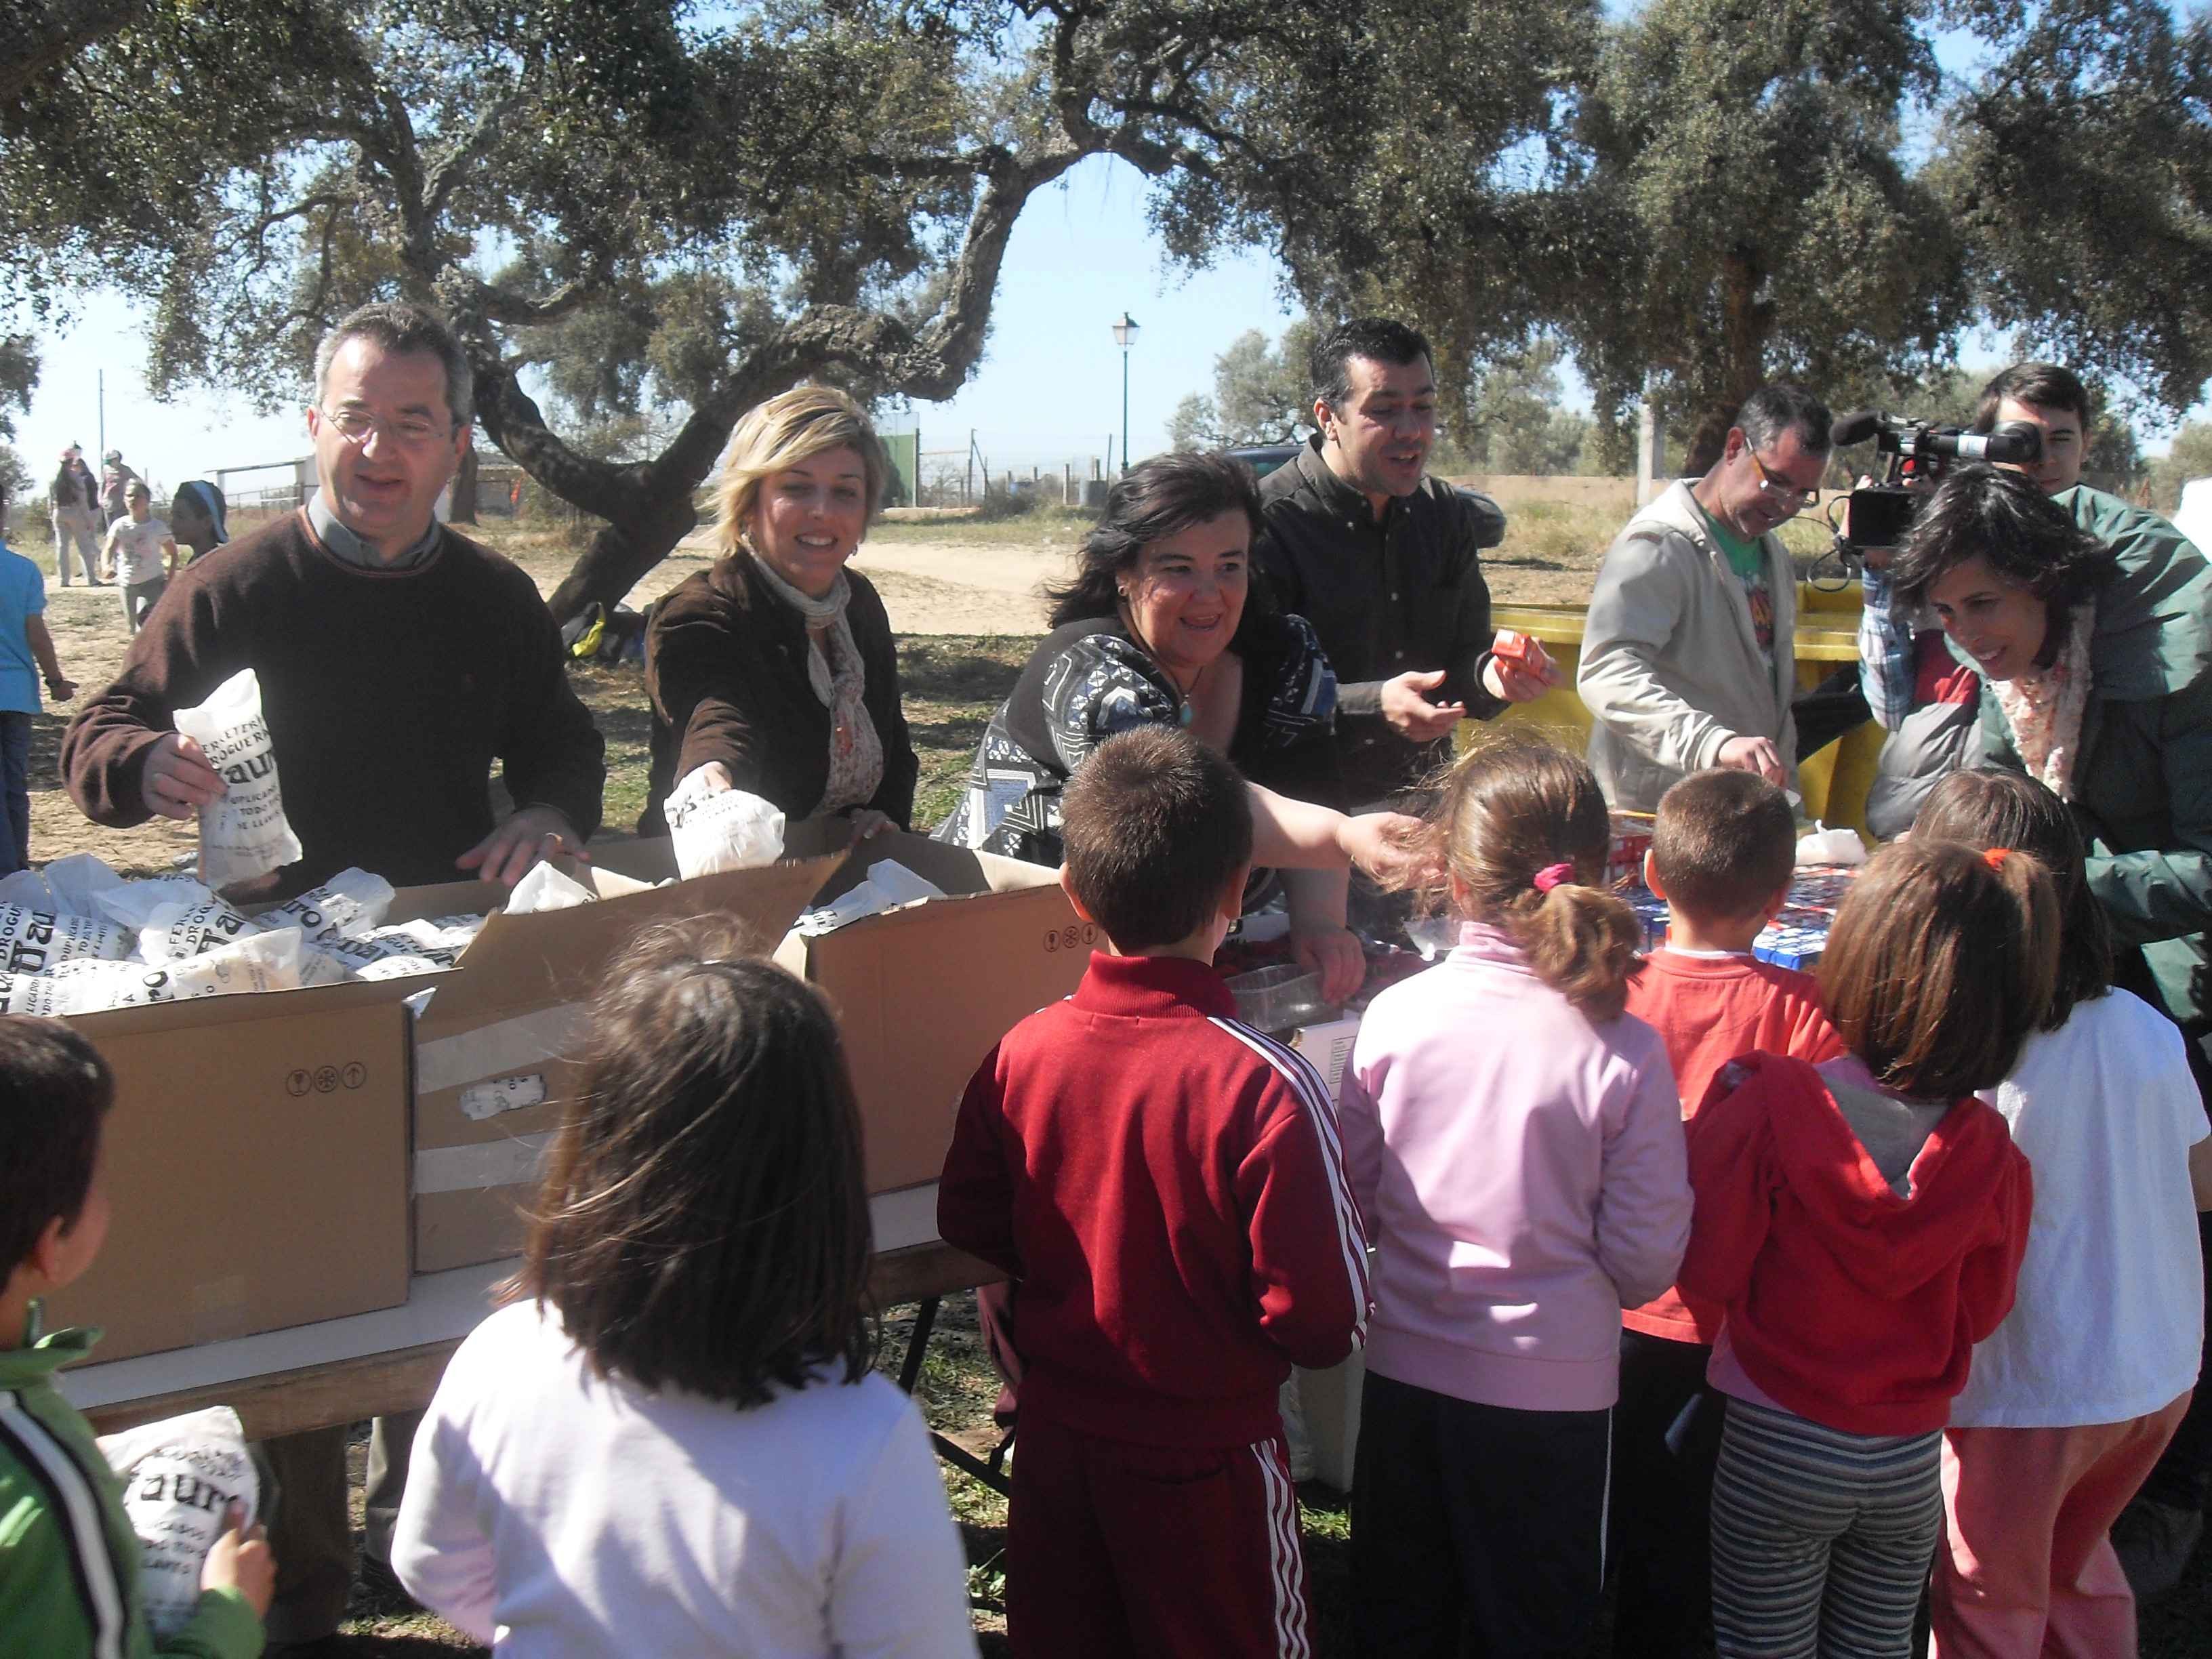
[[2073, 1398], [1862, 1225], [1723, 850], [1164, 1185], [671, 1443], [27, 651], [144, 555], [1515, 1142], [68, 1560]]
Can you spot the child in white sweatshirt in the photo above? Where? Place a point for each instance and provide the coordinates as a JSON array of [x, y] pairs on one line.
[[670, 1442]]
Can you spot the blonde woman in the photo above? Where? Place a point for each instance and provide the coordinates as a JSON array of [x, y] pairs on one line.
[[774, 671]]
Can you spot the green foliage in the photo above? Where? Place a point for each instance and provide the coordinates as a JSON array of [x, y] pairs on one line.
[[1262, 394], [19, 487], [1514, 423], [2079, 171], [19, 378], [1753, 214], [2190, 458]]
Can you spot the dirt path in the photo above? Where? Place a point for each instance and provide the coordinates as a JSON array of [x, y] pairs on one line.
[[930, 588]]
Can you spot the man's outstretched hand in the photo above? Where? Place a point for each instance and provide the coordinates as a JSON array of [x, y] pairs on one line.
[[1412, 715]]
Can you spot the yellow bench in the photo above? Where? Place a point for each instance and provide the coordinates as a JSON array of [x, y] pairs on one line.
[[1834, 782]]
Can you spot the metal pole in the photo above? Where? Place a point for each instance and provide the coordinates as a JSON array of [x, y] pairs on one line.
[[103, 413], [1125, 409]]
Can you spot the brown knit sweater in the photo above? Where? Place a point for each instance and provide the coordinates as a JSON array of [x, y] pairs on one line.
[[388, 694]]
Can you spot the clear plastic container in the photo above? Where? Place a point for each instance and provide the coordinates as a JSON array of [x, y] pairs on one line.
[[1275, 999]]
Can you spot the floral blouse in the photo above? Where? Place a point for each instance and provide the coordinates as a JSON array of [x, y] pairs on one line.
[[1088, 680]]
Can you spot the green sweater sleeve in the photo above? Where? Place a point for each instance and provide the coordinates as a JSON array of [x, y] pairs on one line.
[[222, 1627]]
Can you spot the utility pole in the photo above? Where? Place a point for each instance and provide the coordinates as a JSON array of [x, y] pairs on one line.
[[1125, 335], [103, 418]]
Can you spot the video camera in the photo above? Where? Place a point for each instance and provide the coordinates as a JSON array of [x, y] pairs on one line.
[[1918, 452]]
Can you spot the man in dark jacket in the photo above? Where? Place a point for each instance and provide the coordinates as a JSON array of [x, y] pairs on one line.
[[1380, 559]]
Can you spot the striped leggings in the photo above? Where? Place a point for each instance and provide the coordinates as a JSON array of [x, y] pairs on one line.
[[1822, 1540]]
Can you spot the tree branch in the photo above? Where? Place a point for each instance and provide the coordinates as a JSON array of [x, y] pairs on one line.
[[42, 41]]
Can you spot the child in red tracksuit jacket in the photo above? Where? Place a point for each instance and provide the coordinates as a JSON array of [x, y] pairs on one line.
[[1863, 1225], [1165, 1186]]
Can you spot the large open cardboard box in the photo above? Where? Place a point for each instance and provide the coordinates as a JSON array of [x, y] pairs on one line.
[[256, 1165], [495, 1046], [923, 991]]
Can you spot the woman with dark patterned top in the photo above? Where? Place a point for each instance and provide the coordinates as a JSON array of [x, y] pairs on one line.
[[1162, 626]]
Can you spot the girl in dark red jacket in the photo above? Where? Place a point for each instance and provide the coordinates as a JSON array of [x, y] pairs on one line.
[[1863, 1223]]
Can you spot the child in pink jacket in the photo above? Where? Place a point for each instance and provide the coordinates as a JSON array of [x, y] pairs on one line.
[[1516, 1144]]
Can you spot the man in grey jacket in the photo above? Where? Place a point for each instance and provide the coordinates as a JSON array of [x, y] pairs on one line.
[[1688, 659]]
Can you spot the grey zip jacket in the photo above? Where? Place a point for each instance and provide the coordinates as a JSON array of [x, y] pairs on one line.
[[1671, 669]]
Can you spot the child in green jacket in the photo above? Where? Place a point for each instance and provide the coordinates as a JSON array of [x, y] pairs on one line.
[[69, 1561]]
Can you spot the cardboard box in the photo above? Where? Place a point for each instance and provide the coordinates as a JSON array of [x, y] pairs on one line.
[[496, 1047], [923, 991], [256, 1165]]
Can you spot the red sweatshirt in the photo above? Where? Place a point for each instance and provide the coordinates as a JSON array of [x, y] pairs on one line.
[[1847, 1304], [1709, 1010], [1165, 1186]]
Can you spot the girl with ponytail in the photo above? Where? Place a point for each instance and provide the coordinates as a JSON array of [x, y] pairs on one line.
[[1515, 1144], [1862, 1223]]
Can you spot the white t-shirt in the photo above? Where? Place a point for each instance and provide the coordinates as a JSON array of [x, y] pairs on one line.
[[2110, 1317], [553, 1512], [138, 556]]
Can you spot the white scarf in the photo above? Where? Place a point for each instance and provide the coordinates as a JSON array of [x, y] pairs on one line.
[[856, 749], [2044, 708]]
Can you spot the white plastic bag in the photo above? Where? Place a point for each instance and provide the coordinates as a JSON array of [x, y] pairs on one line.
[[887, 886], [38, 941], [132, 903], [244, 833], [77, 880], [403, 967], [181, 1476], [27, 890], [176, 931], [546, 888], [260, 962], [718, 829], [348, 905], [1826, 846]]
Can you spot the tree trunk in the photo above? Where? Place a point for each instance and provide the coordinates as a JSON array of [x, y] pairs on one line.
[[1746, 321], [620, 555]]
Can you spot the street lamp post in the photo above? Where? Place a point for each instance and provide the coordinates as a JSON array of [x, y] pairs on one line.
[[1125, 335]]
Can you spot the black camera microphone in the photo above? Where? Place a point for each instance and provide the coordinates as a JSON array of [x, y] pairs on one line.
[[1854, 428]]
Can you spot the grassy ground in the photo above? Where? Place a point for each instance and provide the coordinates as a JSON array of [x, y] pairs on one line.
[[952, 683]]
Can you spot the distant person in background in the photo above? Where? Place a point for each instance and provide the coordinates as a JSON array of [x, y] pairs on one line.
[[23, 641], [197, 518], [143, 554], [76, 517], [115, 482]]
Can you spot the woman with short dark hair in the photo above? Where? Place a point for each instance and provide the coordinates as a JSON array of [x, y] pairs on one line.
[[1163, 626], [2091, 624]]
